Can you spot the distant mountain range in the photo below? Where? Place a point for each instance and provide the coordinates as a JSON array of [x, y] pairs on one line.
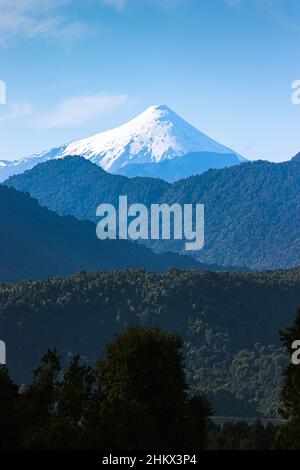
[[252, 210], [36, 243], [156, 143]]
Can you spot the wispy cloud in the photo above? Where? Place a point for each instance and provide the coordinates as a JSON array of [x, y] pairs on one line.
[[15, 111], [43, 18], [121, 4], [80, 110], [54, 18]]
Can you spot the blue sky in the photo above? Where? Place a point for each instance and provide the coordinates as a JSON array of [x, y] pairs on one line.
[[76, 67]]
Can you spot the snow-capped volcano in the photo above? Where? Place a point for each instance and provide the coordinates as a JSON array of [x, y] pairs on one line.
[[156, 135]]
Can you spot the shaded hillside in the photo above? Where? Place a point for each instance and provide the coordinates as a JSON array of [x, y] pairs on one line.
[[75, 186], [252, 211], [229, 323], [37, 243]]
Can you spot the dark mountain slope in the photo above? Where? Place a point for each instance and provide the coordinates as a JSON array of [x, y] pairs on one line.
[[36, 243], [252, 211], [75, 186]]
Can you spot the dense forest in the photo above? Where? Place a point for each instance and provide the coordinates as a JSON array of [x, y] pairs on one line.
[[135, 396], [252, 210], [242, 435], [75, 186], [229, 323], [36, 243]]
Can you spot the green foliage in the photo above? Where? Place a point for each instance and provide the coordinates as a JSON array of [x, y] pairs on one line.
[[142, 380], [229, 323], [8, 425], [252, 210], [36, 243], [76, 186], [252, 213], [243, 436], [247, 382], [51, 411], [135, 397], [288, 437]]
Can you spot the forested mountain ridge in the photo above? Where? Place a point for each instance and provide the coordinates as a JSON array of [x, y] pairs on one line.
[[252, 213], [75, 186], [36, 243], [252, 210]]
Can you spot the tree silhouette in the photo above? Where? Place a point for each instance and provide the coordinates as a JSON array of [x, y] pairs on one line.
[[8, 394], [143, 381], [135, 397]]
